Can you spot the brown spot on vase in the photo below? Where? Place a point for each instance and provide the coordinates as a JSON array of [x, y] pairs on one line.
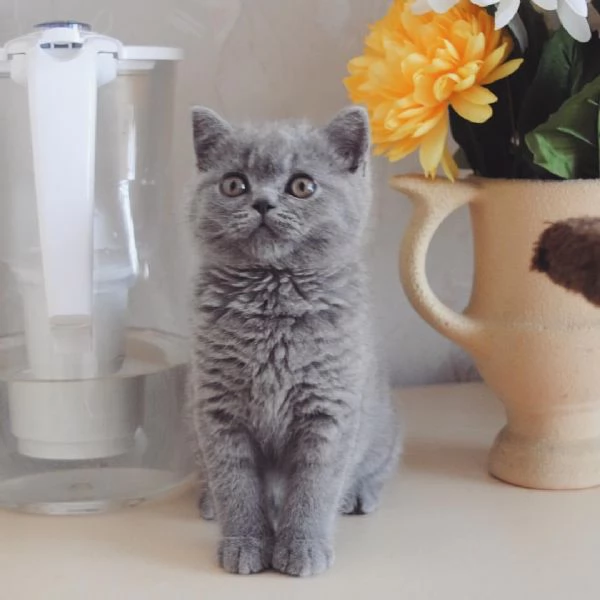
[[568, 252]]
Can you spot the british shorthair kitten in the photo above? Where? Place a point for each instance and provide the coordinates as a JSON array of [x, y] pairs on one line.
[[290, 407]]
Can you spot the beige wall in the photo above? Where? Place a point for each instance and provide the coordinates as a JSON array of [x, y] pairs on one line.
[[284, 58]]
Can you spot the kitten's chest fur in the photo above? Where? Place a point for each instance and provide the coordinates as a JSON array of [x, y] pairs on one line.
[[271, 333]]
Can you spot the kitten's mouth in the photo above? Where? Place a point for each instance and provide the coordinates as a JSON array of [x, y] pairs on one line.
[[264, 226], [265, 232]]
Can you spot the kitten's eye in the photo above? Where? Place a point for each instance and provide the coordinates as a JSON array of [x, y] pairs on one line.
[[233, 185], [301, 186]]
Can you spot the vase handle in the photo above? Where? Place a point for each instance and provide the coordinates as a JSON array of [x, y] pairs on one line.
[[433, 201]]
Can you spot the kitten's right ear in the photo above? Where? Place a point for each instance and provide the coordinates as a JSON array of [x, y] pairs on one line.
[[349, 135], [208, 129]]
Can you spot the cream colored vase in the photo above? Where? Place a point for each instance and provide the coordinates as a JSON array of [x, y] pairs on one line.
[[536, 344]]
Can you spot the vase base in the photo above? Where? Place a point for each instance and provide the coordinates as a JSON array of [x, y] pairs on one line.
[[545, 464]]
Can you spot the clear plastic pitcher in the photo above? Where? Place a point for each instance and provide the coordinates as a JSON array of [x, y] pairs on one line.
[[92, 367]]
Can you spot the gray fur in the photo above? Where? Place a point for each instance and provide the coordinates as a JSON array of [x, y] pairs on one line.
[[287, 392]]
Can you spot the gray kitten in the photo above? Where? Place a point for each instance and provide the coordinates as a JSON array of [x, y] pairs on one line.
[[287, 393]]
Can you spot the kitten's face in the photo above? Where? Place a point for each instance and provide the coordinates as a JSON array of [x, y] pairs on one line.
[[283, 194]]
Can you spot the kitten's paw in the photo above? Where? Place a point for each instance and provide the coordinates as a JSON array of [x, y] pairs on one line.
[[245, 555], [362, 500], [302, 557], [206, 505]]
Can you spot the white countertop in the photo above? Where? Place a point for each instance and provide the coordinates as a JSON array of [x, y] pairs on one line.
[[446, 531]]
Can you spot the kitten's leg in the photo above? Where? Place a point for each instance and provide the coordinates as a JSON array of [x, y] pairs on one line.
[[316, 464], [206, 505], [231, 463], [364, 493], [205, 501]]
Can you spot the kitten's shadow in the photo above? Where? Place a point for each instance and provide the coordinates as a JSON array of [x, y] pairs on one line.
[[449, 459]]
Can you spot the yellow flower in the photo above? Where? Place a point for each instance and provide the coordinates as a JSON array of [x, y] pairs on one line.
[[415, 67]]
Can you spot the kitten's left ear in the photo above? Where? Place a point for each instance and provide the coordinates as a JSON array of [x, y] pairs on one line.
[[208, 129], [349, 134]]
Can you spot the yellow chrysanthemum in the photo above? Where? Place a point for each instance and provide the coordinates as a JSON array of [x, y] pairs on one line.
[[416, 66]]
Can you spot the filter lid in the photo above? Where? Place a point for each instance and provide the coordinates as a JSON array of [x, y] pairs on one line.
[[74, 34]]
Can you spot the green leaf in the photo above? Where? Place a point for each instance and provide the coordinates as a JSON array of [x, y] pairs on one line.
[[565, 67], [567, 144]]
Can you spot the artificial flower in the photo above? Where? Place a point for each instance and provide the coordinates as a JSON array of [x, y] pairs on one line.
[[415, 67], [571, 13]]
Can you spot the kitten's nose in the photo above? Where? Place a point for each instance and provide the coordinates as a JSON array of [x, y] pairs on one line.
[[262, 206]]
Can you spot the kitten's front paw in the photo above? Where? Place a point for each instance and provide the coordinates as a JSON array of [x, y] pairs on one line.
[[302, 557], [245, 555]]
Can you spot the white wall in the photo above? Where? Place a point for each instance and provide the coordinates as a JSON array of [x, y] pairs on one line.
[[284, 58]]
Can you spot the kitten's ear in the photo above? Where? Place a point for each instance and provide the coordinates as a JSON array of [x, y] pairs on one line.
[[208, 128], [349, 134]]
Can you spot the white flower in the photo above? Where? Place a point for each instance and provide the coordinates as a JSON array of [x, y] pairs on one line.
[[572, 13]]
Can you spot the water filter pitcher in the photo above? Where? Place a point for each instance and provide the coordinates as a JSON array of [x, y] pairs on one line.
[[92, 363]]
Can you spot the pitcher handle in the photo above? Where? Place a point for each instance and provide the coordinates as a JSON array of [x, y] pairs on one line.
[[433, 201]]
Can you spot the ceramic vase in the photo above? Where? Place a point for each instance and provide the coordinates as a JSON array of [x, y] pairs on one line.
[[536, 344]]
